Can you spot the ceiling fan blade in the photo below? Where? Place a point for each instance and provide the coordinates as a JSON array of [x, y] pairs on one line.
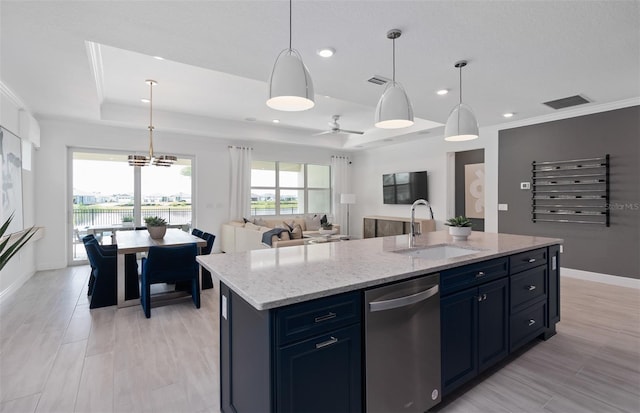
[[352, 131], [322, 133]]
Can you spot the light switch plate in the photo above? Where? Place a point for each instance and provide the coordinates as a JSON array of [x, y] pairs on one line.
[[525, 185], [503, 207]]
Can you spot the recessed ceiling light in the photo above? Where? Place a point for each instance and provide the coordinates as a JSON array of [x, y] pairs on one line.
[[144, 100], [442, 92], [326, 52], [276, 121], [508, 114], [158, 57]]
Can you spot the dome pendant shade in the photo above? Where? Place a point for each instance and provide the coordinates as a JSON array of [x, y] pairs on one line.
[[290, 87], [461, 124], [394, 109]]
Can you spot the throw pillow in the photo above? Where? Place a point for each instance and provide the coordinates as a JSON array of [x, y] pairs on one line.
[[261, 222], [245, 220], [323, 220], [312, 223], [296, 233], [284, 236], [250, 225], [289, 225]]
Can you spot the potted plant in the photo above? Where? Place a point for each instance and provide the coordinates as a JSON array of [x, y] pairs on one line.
[[127, 221], [326, 228], [156, 226], [14, 247], [459, 228]]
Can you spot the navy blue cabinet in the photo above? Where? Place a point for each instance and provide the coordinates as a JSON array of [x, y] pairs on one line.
[[490, 309], [304, 357], [321, 374], [474, 328]]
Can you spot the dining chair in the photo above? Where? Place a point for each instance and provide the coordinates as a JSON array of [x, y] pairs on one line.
[[207, 281], [103, 260], [167, 265]]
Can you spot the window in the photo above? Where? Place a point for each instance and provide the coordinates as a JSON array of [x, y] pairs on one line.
[[286, 188], [108, 193]]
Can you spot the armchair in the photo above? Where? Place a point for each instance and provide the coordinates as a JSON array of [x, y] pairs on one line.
[[166, 265]]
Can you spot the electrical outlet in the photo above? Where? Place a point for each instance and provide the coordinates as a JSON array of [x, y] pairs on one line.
[[525, 185]]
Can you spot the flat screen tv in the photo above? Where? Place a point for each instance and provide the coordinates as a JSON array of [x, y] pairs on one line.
[[404, 187]]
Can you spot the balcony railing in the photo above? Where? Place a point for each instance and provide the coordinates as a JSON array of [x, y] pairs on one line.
[[99, 216]]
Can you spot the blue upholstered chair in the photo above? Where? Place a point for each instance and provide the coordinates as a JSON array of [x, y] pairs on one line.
[[207, 281], [167, 265], [103, 285]]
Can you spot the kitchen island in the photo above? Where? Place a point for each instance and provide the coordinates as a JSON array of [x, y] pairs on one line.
[[291, 319]]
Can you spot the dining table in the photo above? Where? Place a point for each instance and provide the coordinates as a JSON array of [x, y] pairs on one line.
[[139, 241]]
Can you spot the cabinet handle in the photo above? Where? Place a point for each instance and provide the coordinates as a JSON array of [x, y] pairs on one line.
[[532, 260], [482, 297], [531, 287], [531, 322], [329, 342], [480, 274], [325, 317]]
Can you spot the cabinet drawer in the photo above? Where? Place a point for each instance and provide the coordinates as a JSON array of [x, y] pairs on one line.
[[528, 287], [527, 259], [457, 279], [527, 324], [299, 321]]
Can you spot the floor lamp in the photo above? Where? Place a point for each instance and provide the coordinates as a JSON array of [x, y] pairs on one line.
[[348, 199]]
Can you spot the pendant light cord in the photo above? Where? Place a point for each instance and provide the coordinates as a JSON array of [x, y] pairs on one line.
[[290, 24], [460, 84], [150, 119], [394, 60]]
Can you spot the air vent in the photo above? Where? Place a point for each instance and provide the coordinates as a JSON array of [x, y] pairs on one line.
[[379, 80], [566, 102]]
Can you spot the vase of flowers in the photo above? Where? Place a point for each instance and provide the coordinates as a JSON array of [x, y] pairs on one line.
[[459, 228], [156, 226]]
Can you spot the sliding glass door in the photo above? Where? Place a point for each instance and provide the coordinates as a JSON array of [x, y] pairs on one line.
[[110, 195]]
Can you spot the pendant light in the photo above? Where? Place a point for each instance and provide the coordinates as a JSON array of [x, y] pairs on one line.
[[461, 124], [290, 85], [394, 109], [143, 160]]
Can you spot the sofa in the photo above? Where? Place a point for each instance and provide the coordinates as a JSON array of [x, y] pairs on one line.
[[238, 236]]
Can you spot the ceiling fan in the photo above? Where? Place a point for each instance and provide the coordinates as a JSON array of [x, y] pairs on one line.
[[335, 128]]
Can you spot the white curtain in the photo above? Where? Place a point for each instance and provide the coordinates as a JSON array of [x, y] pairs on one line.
[[340, 184], [240, 191]]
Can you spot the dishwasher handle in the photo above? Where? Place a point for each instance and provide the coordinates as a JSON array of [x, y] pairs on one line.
[[403, 301]]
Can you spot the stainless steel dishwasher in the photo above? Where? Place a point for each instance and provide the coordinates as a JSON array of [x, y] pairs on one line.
[[402, 333]]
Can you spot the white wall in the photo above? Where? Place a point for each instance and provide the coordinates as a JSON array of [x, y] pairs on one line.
[[430, 153], [22, 266], [210, 174]]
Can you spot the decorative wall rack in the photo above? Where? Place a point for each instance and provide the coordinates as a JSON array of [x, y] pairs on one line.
[[574, 191]]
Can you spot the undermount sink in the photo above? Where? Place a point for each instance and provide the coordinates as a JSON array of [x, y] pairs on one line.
[[437, 252]]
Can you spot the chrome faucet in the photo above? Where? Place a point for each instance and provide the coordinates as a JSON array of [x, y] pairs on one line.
[[413, 233]]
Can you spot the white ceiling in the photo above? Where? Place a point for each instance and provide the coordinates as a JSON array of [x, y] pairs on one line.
[[88, 61]]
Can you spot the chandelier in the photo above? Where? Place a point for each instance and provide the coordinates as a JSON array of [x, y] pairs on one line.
[[144, 160]]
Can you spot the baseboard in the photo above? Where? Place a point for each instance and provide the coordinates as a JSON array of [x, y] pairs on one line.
[[19, 282], [601, 278]]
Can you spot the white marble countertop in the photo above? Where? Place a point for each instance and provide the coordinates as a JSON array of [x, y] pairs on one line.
[[271, 278]]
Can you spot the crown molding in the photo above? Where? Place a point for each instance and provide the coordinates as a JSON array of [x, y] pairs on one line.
[[5, 90], [95, 61], [570, 113]]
